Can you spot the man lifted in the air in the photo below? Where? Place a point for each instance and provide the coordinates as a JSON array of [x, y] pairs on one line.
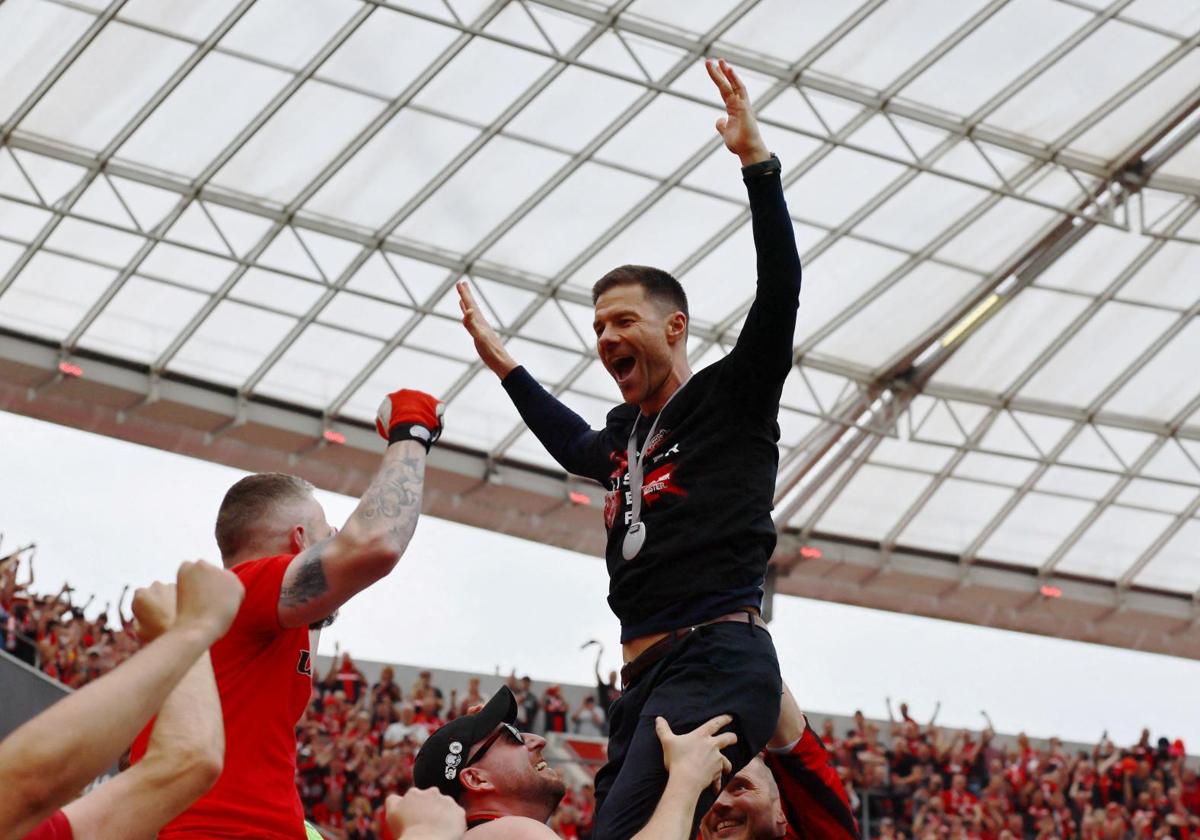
[[690, 464]]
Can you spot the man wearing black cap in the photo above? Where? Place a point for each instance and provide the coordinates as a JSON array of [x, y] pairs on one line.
[[499, 777], [489, 767]]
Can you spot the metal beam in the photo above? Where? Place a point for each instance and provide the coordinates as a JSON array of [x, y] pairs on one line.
[[532, 503], [1002, 597]]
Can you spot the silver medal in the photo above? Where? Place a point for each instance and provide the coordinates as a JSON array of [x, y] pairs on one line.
[[635, 538]]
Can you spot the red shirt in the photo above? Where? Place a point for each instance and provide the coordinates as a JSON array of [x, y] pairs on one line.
[[958, 802], [814, 798], [55, 827], [264, 677]]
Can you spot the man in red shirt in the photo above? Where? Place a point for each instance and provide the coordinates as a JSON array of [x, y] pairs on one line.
[[791, 792], [297, 570], [958, 800]]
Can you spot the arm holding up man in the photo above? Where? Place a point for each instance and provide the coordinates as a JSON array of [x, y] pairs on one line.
[[46, 762]]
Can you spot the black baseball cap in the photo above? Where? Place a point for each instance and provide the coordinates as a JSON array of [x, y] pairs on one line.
[[445, 751]]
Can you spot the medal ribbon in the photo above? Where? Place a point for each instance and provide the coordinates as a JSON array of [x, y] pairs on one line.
[[636, 459]]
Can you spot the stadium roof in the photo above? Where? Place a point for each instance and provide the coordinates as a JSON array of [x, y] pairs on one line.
[[242, 222]]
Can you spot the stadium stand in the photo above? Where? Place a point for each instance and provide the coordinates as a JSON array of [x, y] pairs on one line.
[[366, 721]]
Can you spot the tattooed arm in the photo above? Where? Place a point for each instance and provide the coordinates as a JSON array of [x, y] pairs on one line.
[[322, 578]]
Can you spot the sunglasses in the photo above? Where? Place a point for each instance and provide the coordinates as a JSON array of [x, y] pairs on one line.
[[505, 729]]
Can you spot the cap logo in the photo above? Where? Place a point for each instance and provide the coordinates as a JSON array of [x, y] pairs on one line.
[[453, 759]]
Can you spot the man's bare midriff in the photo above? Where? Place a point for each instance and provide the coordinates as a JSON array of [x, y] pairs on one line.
[[634, 648]]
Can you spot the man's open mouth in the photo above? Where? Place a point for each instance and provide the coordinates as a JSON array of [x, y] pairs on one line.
[[622, 366]]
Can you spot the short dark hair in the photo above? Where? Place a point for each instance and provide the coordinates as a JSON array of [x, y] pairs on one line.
[[658, 285], [249, 500]]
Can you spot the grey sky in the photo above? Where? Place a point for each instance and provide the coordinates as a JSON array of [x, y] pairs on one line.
[[105, 512]]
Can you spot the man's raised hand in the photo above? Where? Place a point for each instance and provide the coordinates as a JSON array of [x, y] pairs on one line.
[[410, 415], [738, 128], [487, 342], [207, 597], [425, 814], [153, 610], [697, 754]]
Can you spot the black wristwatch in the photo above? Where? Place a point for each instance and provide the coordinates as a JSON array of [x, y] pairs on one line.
[[769, 166]]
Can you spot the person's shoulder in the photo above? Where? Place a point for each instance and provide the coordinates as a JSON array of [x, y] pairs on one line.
[[506, 827], [709, 370], [621, 416]]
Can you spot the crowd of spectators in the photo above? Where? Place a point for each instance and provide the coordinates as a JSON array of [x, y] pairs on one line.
[[357, 742], [925, 783], [53, 633]]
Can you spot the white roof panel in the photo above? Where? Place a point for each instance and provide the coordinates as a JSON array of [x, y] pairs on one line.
[[1081, 81], [1166, 384], [1113, 542], [142, 319], [1010, 341], [477, 197], [994, 55], [954, 515], [323, 118], [258, 33], [1034, 528], [203, 114], [873, 502], [52, 293], [587, 202], [1090, 361], [1177, 565], [892, 39], [106, 86], [910, 219], [890, 322], [182, 17], [377, 182], [34, 36]]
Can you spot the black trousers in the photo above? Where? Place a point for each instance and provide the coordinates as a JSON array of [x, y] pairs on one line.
[[728, 668]]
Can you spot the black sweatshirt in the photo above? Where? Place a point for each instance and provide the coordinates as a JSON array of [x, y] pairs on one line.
[[710, 471]]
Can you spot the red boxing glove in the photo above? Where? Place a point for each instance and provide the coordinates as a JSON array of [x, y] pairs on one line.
[[410, 415]]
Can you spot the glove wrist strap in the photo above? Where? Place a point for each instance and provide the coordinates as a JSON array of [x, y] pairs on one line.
[[412, 431]]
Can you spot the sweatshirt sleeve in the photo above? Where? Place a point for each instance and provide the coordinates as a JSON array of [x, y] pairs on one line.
[[764, 346], [576, 446], [813, 796]]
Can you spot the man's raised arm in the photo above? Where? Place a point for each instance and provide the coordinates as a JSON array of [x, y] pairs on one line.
[[567, 436], [323, 577], [814, 798], [765, 343], [184, 756], [46, 762]]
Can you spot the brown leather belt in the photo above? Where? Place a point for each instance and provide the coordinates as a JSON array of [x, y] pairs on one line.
[[644, 660]]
